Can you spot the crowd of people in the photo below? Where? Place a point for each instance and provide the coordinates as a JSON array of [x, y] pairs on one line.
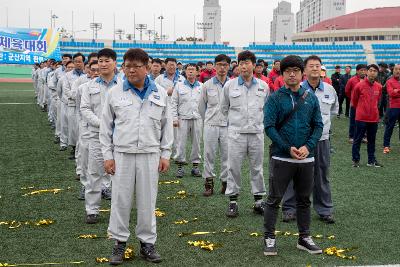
[[123, 125]]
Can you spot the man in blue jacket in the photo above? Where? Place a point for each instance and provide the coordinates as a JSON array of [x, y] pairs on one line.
[[292, 120]]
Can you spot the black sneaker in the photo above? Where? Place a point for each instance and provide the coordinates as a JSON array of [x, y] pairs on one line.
[[148, 252], [117, 255], [270, 247], [196, 172], [82, 193], [63, 148], [356, 164], [288, 217], [327, 218], [91, 218], [233, 210], [258, 208], [56, 140], [307, 244], [106, 193], [375, 164], [180, 172]]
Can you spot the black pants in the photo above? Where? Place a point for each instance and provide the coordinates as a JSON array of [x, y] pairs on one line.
[[352, 123], [370, 128], [280, 174], [322, 197], [347, 110]]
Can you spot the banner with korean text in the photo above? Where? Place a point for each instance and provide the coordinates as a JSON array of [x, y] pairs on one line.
[[28, 46]]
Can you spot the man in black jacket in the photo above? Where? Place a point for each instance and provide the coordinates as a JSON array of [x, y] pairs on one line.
[[342, 96]]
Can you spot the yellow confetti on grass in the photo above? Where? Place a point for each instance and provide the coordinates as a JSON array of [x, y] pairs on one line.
[[206, 245], [42, 191], [16, 224], [159, 213], [339, 252], [185, 221]]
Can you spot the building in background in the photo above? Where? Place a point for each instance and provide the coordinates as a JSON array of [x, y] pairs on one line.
[[314, 11], [282, 24], [368, 25], [211, 21]]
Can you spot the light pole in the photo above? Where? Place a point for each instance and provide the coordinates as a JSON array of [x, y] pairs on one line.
[[161, 19], [119, 32], [53, 20], [150, 33], [141, 27], [95, 26]]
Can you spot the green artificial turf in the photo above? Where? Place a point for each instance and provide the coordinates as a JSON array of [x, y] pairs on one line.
[[366, 205]]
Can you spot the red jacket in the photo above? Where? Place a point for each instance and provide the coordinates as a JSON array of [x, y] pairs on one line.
[[327, 80], [365, 99], [350, 86], [393, 89], [273, 74], [262, 78], [206, 75], [278, 83]]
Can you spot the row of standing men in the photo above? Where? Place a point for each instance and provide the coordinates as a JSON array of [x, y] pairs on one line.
[[123, 124]]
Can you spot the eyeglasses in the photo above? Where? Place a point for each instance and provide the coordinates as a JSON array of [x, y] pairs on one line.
[[94, 70], [294, 71], [245, 62], [135, 67], [224, 65]]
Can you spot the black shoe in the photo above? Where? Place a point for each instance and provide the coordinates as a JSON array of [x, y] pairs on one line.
[[356, 164], [233, 210], [307, 244], [375, 164], [82, 193], [117, 255], [196, 172], [327, 218], [180, 172], [91, 218], [288, 217], [106, 193], [270, 247], [148, 252], [63, 148], [258, 208]]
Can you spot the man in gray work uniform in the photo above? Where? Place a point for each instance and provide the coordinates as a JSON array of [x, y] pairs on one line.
[[243, 102], [136, 137]]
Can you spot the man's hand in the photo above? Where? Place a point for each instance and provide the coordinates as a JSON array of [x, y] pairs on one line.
[[176, 124], [295, 153], [303, 152], [170, 90], [163, 166], [109, 166]]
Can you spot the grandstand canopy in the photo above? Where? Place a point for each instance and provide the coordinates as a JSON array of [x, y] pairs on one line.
[[385, 17]]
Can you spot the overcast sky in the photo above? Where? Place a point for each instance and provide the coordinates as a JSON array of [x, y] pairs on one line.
[[237, 16]]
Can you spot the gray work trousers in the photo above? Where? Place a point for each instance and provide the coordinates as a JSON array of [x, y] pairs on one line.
[[214, 137], [239, 146], [193, 129], [95, 178], [135, 175]]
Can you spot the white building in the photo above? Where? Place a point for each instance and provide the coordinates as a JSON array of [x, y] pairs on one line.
[[211, 21], [313, 11], [282, 25]]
